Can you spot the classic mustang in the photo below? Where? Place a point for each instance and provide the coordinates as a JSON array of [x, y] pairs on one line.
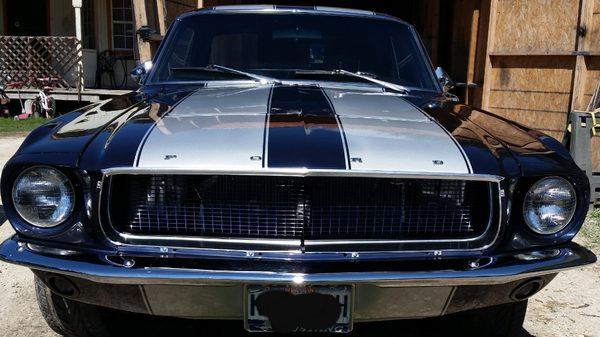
[[300, 169]]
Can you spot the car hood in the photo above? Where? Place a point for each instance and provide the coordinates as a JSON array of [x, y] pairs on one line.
[[256, 128], [299, 127]]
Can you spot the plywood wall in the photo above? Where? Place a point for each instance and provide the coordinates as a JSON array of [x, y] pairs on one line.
[[594, 27], [535, 91], [535, 26], [589, 81], [543, 61]]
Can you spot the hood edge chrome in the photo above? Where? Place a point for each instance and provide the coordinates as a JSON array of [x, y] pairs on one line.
[[303, 172]]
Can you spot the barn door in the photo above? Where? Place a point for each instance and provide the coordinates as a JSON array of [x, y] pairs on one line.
[[543, 60]]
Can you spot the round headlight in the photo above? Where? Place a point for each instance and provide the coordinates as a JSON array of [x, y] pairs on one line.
[[43, 196], [549, 205]]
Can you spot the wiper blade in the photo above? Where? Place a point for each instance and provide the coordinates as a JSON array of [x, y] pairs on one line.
[[223, 69], [365, 76], [262, 79]]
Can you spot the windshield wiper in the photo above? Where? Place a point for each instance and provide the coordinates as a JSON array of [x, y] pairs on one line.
[[223, 69], [365, 76]]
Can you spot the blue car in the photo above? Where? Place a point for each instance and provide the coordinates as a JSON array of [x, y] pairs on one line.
[[297, 169]]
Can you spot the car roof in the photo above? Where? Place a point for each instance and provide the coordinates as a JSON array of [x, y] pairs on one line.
[[267, 9]]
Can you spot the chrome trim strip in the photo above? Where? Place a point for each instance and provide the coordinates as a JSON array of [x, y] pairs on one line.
[[275, 8], [249, 241], [325, 10], [329, 9], [304, 172], [316, 10], [297, 255]]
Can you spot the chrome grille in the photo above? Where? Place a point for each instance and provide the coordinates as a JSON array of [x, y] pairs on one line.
[[299, 207]]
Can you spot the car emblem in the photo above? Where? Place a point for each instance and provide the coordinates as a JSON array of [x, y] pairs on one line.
[[170, 156], [438, 162]]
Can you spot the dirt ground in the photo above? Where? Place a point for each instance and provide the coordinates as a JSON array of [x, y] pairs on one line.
[[569, 306]]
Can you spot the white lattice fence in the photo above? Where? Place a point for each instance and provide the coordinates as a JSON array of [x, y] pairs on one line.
[[26, 57]]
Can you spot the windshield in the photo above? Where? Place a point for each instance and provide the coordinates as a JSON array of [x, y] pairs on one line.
[[292, 47]]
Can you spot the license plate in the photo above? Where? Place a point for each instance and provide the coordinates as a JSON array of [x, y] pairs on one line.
[[298, 308]]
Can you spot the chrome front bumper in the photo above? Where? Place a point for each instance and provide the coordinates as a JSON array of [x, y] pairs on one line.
[[390, 294]]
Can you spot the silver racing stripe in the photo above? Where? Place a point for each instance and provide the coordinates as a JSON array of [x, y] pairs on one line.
[[211, 128], [386, 132]]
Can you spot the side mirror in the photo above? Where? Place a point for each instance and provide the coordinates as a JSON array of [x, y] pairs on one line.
[[444, 79], [140, 71]]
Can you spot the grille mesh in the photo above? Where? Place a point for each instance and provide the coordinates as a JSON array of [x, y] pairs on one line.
[[299, 208]]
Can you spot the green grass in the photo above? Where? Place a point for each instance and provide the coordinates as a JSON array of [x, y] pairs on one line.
[[591, 229], [9, 125]]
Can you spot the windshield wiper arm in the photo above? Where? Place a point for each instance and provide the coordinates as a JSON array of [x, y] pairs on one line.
[[385, 84], [262, 79], [223, 69], [365, 76]]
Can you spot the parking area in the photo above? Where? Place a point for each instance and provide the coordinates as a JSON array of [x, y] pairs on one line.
[[570, 306]]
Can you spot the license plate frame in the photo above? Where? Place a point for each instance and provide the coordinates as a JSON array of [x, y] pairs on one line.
[[254, 322]]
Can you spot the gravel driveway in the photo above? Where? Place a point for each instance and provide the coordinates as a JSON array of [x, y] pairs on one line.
[[569, 306]]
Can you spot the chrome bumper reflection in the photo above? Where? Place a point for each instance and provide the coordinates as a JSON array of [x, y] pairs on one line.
[[497, 271]]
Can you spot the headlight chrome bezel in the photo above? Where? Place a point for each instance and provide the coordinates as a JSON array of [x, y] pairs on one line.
[[569, 220], [32, 226]]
